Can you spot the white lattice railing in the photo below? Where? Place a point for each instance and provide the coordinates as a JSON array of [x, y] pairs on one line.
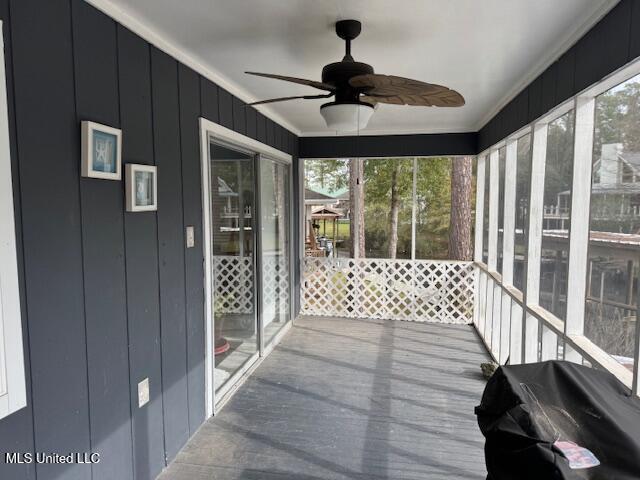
[[234, 279], [416, 290]]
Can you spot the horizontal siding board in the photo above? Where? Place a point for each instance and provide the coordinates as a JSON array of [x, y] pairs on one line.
[[96, 89], [166, 125], [51, 230]]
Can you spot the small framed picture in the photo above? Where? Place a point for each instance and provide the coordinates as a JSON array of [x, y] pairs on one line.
[[101, 151], [141, 189]]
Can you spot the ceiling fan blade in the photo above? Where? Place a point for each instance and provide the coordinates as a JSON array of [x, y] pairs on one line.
[[405, 91], [284, 99], [301, 81]]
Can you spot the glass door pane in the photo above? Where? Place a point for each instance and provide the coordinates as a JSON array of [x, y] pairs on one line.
[[275, 258], [233, 248]]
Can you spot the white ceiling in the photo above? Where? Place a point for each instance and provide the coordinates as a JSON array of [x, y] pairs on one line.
[[486, 49]]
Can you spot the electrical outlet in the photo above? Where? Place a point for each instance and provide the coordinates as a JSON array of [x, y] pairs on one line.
[[143, 392], [191, 237]]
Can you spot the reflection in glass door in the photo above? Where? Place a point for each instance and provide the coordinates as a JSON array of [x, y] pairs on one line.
[[274, 246], [233, 251]]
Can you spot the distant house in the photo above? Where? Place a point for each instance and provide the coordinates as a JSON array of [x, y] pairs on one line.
[[615, 194]]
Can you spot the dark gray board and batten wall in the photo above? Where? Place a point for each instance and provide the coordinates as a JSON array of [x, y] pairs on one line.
[[108, 297]]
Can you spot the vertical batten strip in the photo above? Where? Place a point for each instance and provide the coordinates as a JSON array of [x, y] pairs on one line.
[[579, 229], [536, 206]]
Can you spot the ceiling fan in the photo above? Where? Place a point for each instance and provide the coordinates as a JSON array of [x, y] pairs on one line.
[[357, 89]]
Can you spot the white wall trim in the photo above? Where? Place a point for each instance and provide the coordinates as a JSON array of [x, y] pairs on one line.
[[230, 136], [160, 41], [13, 394]]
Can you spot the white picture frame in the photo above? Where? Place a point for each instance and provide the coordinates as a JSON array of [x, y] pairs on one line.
[[101, 151], [141, 192]]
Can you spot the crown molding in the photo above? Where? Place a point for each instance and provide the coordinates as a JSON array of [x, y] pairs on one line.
[[160, 41]]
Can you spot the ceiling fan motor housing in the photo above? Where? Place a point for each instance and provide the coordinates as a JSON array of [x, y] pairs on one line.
[[339, 74]]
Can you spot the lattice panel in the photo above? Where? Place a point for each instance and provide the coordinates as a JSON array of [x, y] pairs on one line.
[[418, 290], [275, 282], [233, 284]]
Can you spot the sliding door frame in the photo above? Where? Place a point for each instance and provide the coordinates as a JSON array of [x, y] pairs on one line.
[[212, 132], [266, 348]]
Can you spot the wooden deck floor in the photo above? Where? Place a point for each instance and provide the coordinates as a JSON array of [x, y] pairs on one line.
[[350, 399]]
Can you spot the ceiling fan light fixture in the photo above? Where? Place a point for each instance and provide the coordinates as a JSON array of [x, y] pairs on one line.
[[346, 117]]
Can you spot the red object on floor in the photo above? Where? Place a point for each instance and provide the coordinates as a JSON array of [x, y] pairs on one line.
[[221, 346]]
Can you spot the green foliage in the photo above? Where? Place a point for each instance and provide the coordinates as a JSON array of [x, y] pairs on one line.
[[433, 197], [378, 174], [433, 202], [327, 174], [618, 118]]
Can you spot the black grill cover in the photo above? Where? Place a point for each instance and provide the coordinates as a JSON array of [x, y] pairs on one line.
[[526, 408]]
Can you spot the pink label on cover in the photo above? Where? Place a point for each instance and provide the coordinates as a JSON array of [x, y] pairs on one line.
[[579, 457]]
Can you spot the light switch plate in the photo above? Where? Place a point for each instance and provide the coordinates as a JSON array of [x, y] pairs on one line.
[[191, 237], [143, 392]]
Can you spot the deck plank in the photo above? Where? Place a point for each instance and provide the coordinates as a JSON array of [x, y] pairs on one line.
[[350, 399]]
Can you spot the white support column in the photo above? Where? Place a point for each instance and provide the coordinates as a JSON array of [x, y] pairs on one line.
[[494, 186], [515, 345], [413, 208], [508, 238], [549, 347], [488, 317], [530, 340], [478, 316], [536, 207], [492, 325], [477, 254], [496, 328], [579, 229], [481, 300], [636, 358]]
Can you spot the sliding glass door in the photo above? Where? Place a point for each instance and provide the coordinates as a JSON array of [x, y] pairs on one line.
[[275, 246], [247, 222], [233, 242]]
